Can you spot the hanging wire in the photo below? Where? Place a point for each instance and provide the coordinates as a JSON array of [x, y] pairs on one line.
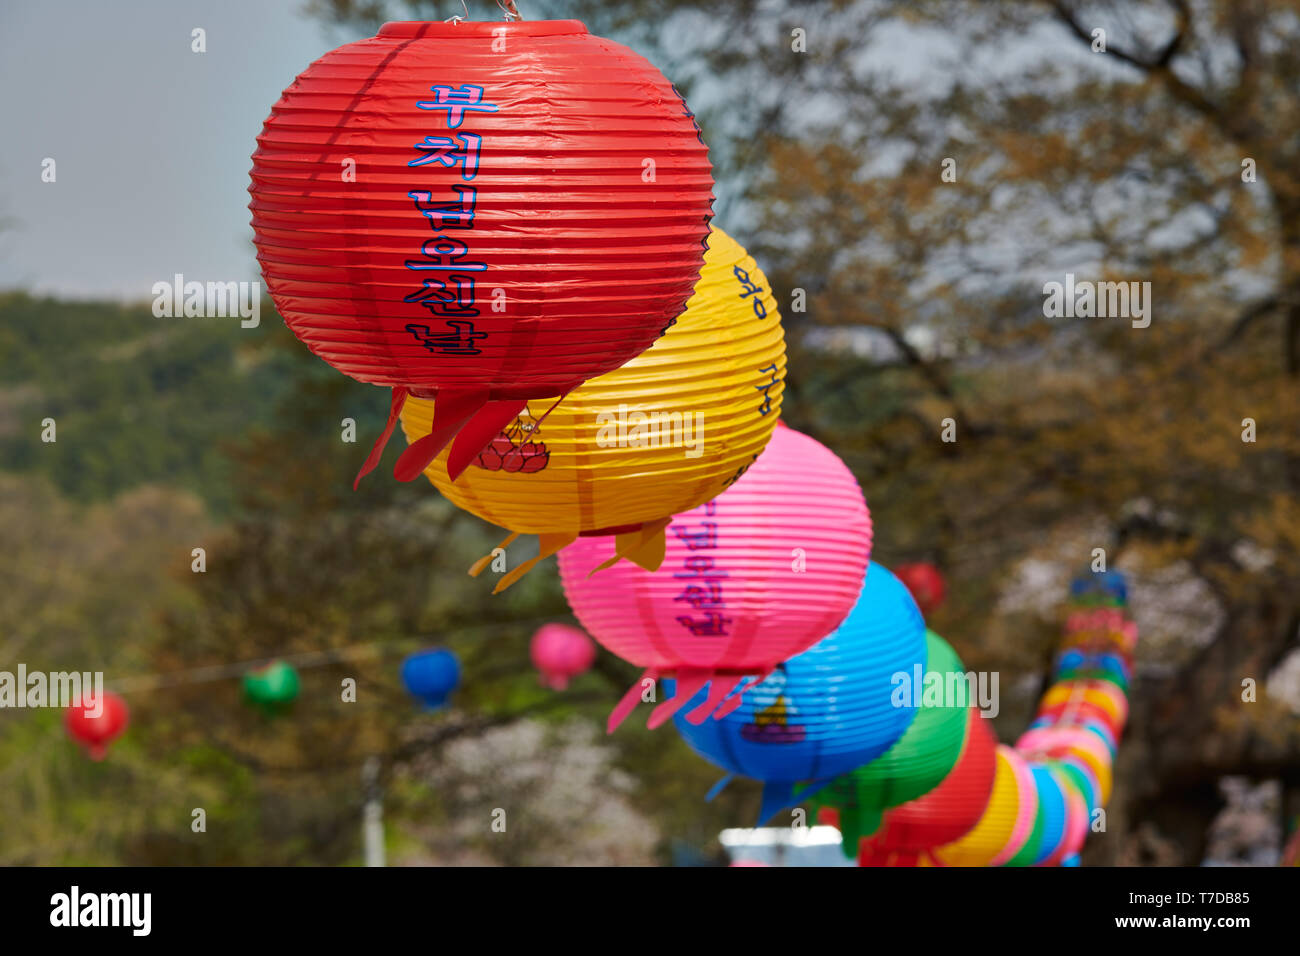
[[458, 18], [303, 660], [511, 12]]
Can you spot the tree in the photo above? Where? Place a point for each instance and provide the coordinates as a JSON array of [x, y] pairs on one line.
[[916, 173]]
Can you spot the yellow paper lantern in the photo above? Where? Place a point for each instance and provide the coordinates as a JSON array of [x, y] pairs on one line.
[[985, 841], [624, 452]]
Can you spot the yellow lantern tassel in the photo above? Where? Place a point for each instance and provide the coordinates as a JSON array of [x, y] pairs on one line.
[[644, 547], [547, 545], [479, 566]]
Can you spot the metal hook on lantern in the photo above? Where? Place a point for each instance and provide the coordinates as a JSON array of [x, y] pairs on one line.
[[508, 7], [458, 18]]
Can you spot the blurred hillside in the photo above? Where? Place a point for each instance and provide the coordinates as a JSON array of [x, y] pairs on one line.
[[176, 434]]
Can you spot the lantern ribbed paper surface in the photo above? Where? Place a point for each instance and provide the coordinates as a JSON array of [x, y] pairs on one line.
[[1052, 812], [664, 433], [1097, 693], [827, 710], [1070, 743], [487, 213], [1026, 808], [1076, 825], [560, 653], [993, 832], [1082, 778], [922, 757], [943, 815], [755, 576]]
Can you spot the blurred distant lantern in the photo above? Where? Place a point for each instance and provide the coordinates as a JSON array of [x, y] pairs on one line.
[[1070, 701], [1099, 588], [94, 722], [1291, 852], [1076, 746], [272, 688], [998, 825], [926, 584], [1101, 629], [1049, 825], [560, 653], [751, 578], [943, 815], [1026, 806], [481, 213], [827, 710], [664, 433], [1074, 828], [431, 676], [1075, 664], [920, 759]]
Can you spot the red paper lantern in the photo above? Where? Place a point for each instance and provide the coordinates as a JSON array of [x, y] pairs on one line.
[[925, 582], [95, 722], [944, 814], [479, 213]]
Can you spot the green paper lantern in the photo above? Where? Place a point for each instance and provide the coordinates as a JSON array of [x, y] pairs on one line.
[[1026, 855], [920, 759], [273, 688], [1094, 672]]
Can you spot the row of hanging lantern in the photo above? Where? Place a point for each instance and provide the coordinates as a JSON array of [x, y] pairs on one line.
[[95, 721], [508, 226], [1031, 805]]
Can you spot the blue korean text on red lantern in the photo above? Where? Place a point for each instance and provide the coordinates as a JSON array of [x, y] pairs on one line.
[[445, 265]]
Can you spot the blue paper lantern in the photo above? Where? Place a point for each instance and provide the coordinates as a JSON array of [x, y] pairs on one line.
[[431, 675], [828, 710], [1051, 804], [1074, 663], [1109, 586]]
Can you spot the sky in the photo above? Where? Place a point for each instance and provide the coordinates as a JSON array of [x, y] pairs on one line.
[[151, 141]]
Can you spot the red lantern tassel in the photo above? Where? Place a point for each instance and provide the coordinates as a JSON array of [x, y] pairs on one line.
[[377, 452]]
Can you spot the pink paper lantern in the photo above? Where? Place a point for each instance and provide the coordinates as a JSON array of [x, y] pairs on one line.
[[1027, 807], [1076, 828], [757, 575], [560, 653]]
